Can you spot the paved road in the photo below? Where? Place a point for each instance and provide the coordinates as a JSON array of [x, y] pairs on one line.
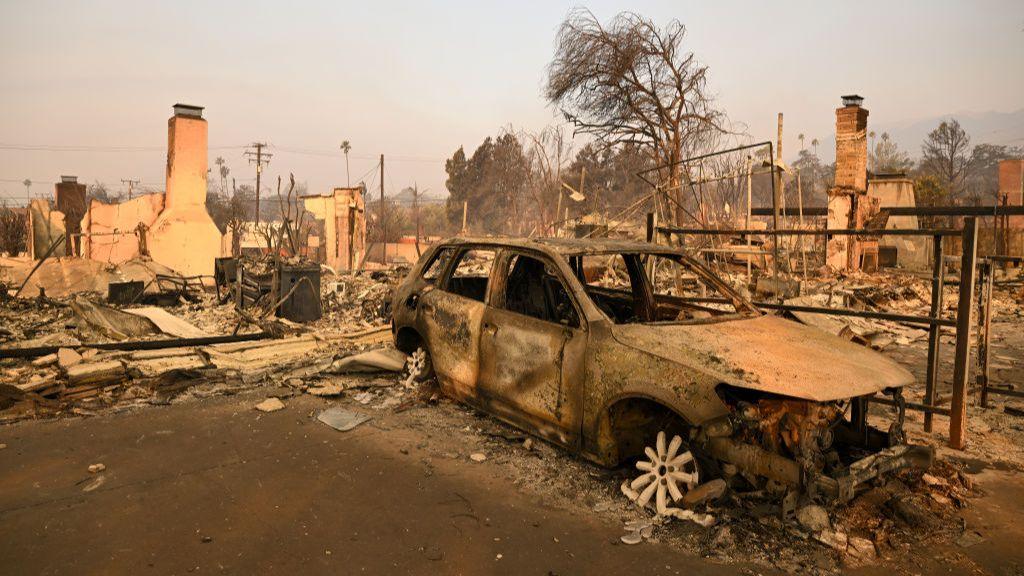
[[215, 487]]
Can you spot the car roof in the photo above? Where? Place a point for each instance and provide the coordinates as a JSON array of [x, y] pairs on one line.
[[566, 246]]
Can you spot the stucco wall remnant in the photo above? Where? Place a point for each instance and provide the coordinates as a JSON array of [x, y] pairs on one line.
[[912, 252], [46, 225], [114, 228], [342, 212]]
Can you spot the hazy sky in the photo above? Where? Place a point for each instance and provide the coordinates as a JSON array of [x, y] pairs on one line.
[[415, 80]]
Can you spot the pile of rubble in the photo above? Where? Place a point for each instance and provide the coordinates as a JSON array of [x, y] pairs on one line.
[[76, 353], [359, 299]]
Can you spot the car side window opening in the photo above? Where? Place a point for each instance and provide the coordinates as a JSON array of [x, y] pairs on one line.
[[433, 271], [533, 289], [471, 273], [612, 284]]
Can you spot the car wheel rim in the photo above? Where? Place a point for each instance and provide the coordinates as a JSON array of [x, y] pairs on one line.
[[418, 364], [667, 473]]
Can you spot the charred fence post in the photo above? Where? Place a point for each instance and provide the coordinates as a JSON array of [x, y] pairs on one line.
[[935, 330], [984, 322], [961, 367]]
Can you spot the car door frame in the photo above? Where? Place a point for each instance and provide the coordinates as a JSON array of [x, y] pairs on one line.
[[562, 423], [453, 336]]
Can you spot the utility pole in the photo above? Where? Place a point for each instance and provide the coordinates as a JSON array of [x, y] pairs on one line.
[[383, 222], [416, 212], [776, 201], [260, 159], [131, 184]]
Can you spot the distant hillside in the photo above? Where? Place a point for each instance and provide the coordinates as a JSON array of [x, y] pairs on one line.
[[1005, 128], [406, 196]]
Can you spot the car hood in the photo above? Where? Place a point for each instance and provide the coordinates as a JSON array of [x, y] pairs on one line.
[[771, 354]]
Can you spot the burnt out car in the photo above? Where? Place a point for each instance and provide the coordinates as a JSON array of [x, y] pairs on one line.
[[599, 345]]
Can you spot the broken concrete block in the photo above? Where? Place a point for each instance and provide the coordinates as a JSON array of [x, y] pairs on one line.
[[45, 360], [94, 468], [478, 457], [706, 492], [270, 405], [813, 518], [97, 374], [66, 358], [861, 550], [325, 390], [835, 540]]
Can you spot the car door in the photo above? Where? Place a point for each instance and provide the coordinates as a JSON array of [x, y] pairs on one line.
[[451, 315], [532, 346]]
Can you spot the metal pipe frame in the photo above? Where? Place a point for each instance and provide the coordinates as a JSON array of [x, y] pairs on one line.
[[815, 232], [934, 340], [909, 211]]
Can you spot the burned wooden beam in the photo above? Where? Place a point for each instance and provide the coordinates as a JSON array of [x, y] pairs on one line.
[[135, 345]]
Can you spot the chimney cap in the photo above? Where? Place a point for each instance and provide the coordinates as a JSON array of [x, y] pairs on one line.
[[852, 100], [69, 179], [188, 110]]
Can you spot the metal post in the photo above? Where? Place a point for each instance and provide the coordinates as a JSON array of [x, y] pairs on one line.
[[775, 217], [800, 207], [961, 366], [984, 323], [383, 221], [746, 223], [935, 331], [652, 238]]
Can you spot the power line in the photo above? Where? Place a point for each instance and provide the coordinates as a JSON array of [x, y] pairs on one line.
[[91, 148], [339, 154]]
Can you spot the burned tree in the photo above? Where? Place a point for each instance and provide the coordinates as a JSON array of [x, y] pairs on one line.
[[632, 82], [13, 231]]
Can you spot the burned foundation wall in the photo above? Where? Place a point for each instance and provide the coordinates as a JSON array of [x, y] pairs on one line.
[[910, 252], [343, 215], [112, 230]]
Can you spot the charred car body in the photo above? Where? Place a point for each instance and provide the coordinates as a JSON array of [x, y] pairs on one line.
[[598, 345]]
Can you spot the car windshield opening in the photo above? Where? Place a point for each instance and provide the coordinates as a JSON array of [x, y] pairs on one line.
[[648, 288]]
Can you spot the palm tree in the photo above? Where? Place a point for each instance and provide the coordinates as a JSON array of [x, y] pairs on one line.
[[814, 144], [800, 137], [28, 193], [345, 147], [224, 171], [872, 136]]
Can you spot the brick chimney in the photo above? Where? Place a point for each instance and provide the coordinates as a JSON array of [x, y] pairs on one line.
[[852, 145], [186, 157], [184, 237]]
